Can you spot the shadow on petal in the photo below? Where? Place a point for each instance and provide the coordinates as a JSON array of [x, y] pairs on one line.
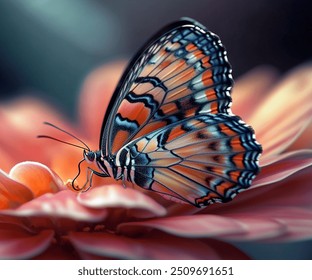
[[283, 166], [17, 243]]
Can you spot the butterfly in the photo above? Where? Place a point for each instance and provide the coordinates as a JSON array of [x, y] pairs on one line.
[[169, 127]]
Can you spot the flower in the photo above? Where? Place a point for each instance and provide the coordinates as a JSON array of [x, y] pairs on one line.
[[42, 219]]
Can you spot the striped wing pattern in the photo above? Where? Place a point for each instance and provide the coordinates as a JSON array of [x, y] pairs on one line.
[[169, 127], [182, 73], [202, 160]]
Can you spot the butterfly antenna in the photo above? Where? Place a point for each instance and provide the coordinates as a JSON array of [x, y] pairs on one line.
[[85, 146]]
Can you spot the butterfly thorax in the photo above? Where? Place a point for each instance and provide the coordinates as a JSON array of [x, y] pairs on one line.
[[126, 165], [132, 166], [95, 157]]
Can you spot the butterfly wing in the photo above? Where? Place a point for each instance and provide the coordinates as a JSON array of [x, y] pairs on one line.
[[181, 72], [200, 160]]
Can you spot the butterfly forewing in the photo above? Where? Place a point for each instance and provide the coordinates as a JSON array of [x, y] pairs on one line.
[[181, 73]]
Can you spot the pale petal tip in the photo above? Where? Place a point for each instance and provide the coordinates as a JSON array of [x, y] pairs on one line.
[[37, 177]]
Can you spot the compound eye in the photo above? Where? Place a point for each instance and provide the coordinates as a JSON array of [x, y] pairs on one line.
[[89, 156]]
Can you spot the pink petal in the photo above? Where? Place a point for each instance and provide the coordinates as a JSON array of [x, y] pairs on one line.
[[250, 90], [291, 224], [303, 141], [257, 228], [12, 193], [285, 113], [96, 94], [20, 123], [37, 177], [187, 226], [7, 159], [256, 214], [285, 205], [63, 204], [282, 166], [299, 225], [273, 223], [296, 191], [157, 246], [17, 243], [117, 196]]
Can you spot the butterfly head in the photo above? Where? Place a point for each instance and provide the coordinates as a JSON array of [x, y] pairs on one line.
[[95, 158]]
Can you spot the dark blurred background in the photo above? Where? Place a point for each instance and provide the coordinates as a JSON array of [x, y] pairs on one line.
[[47, 47]]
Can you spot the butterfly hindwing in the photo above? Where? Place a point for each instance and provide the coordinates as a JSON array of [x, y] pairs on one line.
[[201, 160], [181, 72]]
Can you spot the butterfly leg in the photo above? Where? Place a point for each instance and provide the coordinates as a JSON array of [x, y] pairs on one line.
[[90, 173], [122, 177], [123, 182], [88, 181]]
